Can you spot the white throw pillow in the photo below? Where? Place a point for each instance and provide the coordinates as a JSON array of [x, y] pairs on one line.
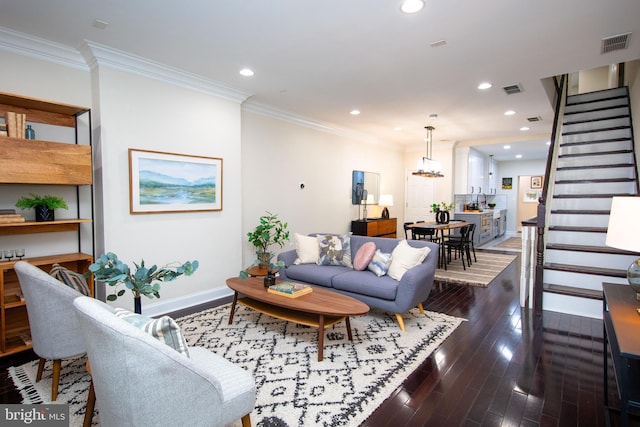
[[405, 257], [307, 249]]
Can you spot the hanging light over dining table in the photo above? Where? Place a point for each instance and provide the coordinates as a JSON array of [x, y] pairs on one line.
[[427, 167]]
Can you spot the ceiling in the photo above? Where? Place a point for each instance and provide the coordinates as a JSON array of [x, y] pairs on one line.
[[321, 59]]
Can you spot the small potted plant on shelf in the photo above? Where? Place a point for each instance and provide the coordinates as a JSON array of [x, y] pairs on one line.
[[43, 205], [143, 281]]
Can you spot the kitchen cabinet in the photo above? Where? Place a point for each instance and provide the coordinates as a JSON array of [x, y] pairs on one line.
[[470, 171], [483, 222], [44, 163]]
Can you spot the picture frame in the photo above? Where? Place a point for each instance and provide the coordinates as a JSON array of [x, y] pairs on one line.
[[161, 182], [507, 183], [536, 182], [531, 196]]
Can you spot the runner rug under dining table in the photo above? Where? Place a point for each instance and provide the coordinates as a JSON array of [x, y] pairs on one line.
[[481, 273], [293, 388]]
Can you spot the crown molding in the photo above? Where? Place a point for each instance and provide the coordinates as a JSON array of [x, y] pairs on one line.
[[285, 116], [97, 55], [45, 50]]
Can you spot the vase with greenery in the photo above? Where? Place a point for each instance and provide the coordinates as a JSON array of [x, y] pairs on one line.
[[142, 281], [442, 211], [44, 205]]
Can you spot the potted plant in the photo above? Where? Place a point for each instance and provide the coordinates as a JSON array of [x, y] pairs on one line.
[[270, 231], [44, 205], [143, 281], [442, 211]]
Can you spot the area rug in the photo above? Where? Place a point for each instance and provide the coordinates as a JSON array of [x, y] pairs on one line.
[[294, 389], [481, 273]]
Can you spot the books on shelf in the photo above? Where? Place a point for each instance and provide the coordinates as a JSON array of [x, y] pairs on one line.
[[15, 124], [290, 289], [11, 218]]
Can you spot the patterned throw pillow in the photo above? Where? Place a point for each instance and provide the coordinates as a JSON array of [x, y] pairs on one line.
[[75, 281], [164, 329], [380, 263], [335, 250], [364, 256]]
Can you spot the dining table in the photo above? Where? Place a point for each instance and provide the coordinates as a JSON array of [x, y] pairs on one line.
[[440, 228]]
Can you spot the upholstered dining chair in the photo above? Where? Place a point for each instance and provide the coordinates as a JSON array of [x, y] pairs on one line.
[[141, 381], [54, 328]]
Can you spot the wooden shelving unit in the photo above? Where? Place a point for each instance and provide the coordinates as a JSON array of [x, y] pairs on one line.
[[40, 162]]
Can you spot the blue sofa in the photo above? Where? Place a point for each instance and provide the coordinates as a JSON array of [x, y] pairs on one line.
[[384, 293]]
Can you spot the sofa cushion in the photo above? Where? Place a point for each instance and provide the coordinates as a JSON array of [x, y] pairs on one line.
[[307, 249], [405, 257], [366, 283], [379, 263], [364, 256], [75, 281], [335, 250], [164, 329], [315, 274]]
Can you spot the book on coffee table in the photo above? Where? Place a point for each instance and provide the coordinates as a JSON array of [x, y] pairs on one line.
[[290, 289]]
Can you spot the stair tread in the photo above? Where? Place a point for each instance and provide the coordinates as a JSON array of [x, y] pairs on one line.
[[594, 141], [616, 165], [588, 248], [599, 119], [596, 180], [595, 153], [611, 272], [590, 196], [573, 291], [578, 132], [594, 110], [579, 212], [578, 229]]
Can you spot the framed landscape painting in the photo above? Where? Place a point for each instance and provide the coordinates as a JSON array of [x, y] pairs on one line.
[[167, 182]]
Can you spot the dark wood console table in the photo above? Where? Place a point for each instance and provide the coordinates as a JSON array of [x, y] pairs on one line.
[[378, 227], [621, 332]]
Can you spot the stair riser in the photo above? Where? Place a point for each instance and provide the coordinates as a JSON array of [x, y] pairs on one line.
[[609, 103], [604, 159], [596, 115], [596, 125], [596, 147], [597, 136], [581, 204], [599, 173], [588, 259], [576, 238], [592, 97], [595, 188], [579, 220], [571, 305], [579, 280]]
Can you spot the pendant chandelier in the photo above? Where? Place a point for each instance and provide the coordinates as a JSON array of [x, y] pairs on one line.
[[427, 167]]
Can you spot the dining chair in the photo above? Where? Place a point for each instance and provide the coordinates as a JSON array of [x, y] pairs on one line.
[[459, 244], [408, 230], [425, 233]]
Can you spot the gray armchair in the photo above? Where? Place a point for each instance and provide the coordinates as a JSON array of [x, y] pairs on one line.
[[54, 328], [140, 381]]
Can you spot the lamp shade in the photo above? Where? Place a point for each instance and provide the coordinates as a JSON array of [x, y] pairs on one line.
[[386, 200], [623, 231]]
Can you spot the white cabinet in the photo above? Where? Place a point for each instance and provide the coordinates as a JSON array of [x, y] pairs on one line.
[[470, 171]]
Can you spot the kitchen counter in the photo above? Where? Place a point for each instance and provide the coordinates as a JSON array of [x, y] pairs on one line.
[[490, 223]]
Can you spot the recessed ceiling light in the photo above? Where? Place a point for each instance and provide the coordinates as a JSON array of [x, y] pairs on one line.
[[524, 128], [246, 72], [518, 156], [411, 6], [354, 112], [509, 113], [484, 86], [507, 147], [397, 129]]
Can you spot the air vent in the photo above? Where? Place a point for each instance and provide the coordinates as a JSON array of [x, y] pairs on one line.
[[534, 119], [514, 88], [609, 44]]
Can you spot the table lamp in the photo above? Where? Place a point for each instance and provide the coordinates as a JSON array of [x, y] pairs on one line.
[[385, 200], [623, 232]]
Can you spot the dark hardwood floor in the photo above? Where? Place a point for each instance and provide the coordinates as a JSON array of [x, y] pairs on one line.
[[504, 366]]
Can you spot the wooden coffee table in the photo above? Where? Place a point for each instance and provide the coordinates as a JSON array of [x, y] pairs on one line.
[[317, 309]]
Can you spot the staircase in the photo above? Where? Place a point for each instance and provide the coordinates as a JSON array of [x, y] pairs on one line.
[[595, 162]]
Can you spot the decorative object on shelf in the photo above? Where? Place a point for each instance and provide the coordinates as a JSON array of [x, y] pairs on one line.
[[386, 200], [270, 278], [43, 205], [20, 253], [270, 231], [9, 254], [623, 233], [166, 182], [427, 167], [29, 133], [143, 281]]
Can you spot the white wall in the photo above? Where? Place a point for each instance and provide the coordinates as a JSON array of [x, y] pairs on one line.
[[515, 169], [277, 155]]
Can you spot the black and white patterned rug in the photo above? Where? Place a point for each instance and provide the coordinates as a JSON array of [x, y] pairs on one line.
[[294, 389]]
